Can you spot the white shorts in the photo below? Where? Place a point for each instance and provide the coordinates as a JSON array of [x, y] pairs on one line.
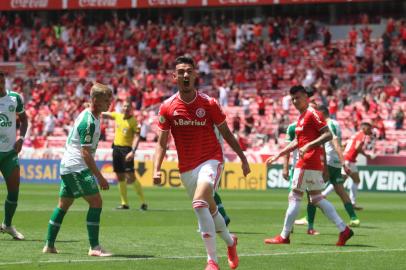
[[209, 171], [307, 180], [351, 165]]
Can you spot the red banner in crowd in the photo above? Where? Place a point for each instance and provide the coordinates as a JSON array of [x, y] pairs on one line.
[[316, 1], [99, 4], [128, 4], [211, 3], [30, 4], [168, 3]]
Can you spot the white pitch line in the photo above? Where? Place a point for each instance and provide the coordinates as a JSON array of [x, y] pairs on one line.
[[113, 259]]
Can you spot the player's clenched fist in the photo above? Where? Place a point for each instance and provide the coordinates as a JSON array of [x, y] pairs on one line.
[[157, 178]]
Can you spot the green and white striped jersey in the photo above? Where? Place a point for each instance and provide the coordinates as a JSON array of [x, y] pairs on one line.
[[290, 136], [331, 153], [85, 132], [10, 105]]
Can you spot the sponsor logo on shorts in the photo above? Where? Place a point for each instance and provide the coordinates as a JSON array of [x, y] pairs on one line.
[[4, 121]]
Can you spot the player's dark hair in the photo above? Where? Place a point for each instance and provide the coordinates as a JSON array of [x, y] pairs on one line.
[[366, 124], [184, 60], [299, 88], [324, 110]]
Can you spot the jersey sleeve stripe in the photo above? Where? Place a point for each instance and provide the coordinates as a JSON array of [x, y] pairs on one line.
[[221, 123]]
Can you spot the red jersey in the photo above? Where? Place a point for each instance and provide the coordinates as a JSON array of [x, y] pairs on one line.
[[350, 152], [308, 129], [192, 127]]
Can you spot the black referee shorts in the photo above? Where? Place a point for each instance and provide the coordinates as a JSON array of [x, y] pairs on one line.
[[119, 163]]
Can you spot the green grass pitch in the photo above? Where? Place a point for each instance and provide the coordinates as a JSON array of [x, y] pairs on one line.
[[165, 237]]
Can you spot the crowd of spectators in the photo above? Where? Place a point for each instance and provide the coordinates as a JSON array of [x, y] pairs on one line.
[[246, 65]]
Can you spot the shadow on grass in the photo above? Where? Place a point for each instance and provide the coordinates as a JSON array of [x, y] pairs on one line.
[[333, 245], [325, 234], [247, 233], [41, 240], [368, 227], [129, 256]]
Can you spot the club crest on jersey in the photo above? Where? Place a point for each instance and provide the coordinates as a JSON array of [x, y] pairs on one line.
[[11, 108], [200, 112]]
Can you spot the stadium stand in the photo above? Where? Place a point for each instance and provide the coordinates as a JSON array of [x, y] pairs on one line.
[[359, 77]]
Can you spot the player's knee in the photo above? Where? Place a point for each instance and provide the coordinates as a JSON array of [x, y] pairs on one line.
[[65, 203], [295, 196], [214, 211], [316, 198]]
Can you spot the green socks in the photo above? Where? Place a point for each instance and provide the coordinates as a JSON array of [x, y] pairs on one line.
[[350, 210], [93, 222], [311, 213], [10, 206], [54, 225], [220, 207]]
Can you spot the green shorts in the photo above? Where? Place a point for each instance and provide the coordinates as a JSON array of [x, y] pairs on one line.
[[335, 175], [8, 162], [78, 184]]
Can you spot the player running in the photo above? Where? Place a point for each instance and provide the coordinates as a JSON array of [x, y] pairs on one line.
[[311, 133], [126, 139], [191, 117], [78, 171], [11, 104], [354, 147]]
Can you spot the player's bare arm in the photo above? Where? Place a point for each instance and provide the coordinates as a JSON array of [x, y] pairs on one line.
[[107, 115], [86, 153], [136, 141], [322, 139], [285, 170], [230, 139], [160, 152], [23, 130], [285, 151]]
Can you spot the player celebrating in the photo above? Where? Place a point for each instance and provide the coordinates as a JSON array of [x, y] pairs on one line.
[[353, 148], [311, 133], [191, 116], [78, 170], [126, 139], [11, 104]]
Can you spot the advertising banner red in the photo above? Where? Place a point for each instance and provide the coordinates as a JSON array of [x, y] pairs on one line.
[[212, 3], [216, 3], [168, 3], [317, 1], [30, 4], [99, 4]]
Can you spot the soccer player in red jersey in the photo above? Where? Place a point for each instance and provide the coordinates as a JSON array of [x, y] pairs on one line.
[[354, 147], [311, 133], [191, 117]]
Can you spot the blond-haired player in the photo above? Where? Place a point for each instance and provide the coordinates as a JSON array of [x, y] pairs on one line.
[[79, 171]]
